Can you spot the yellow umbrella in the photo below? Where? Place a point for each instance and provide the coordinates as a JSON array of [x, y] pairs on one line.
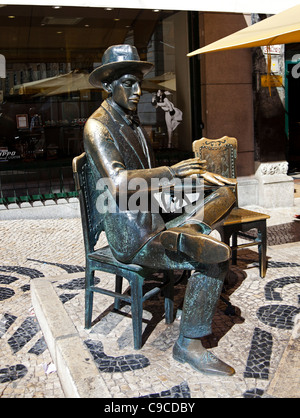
[[282, 28]]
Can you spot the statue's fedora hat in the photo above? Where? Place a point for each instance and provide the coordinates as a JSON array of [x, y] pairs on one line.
[[115, 60]]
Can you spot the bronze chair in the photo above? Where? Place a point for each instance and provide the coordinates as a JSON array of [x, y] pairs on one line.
[[102, 259], [221, 155]]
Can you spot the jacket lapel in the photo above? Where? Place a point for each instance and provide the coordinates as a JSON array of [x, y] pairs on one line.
[[125, 137], [150, 148]]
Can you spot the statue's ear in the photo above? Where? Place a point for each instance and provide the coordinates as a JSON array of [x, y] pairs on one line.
[[107, 86]]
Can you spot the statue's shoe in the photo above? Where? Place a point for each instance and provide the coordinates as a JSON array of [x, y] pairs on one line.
[[199, 247], [200, 359]]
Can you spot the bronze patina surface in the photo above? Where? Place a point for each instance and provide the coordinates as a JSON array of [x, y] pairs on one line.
[[119, 151]]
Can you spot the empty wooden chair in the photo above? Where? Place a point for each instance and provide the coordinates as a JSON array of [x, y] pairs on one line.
[[221, 155]]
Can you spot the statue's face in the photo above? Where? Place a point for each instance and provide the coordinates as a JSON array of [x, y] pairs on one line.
[[126, 91]]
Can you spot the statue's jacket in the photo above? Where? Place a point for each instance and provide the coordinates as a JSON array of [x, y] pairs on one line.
[[115, 153]]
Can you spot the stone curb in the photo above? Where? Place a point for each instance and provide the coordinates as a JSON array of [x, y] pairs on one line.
[[76, 369], [49, 210], [286, 381]]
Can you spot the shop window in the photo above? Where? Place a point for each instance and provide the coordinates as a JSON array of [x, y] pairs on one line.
[[45, 95]]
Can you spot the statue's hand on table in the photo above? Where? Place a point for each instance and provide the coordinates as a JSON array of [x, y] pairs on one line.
[[194, 167]]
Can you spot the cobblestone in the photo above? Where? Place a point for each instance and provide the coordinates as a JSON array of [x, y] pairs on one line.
[[252, 341]]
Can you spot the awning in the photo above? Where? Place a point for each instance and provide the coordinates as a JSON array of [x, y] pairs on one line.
[[282, 28], [68, 83], [38, 86], [77, 80]]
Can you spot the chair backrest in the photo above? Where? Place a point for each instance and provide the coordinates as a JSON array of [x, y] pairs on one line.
[[85, 185], [220, 154]]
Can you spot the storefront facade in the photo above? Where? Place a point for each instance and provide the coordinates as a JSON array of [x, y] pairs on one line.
[[47, 53]]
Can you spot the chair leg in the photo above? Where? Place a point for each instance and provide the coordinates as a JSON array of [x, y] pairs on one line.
[[169, 298], [226, 234], [137, 310], [262, 249], [89, 295], [234, 245], [118, 289]]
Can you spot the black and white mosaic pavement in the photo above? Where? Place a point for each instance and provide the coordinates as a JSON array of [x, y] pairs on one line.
[[259, 358], [23, 334], [179, 391], [11, 373], [110, 364], [252, 340], [278, 316]]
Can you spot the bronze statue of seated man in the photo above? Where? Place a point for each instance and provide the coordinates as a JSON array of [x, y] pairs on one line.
[[119, 149]]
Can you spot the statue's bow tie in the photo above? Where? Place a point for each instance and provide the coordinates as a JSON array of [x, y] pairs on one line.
[[132, 119]]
